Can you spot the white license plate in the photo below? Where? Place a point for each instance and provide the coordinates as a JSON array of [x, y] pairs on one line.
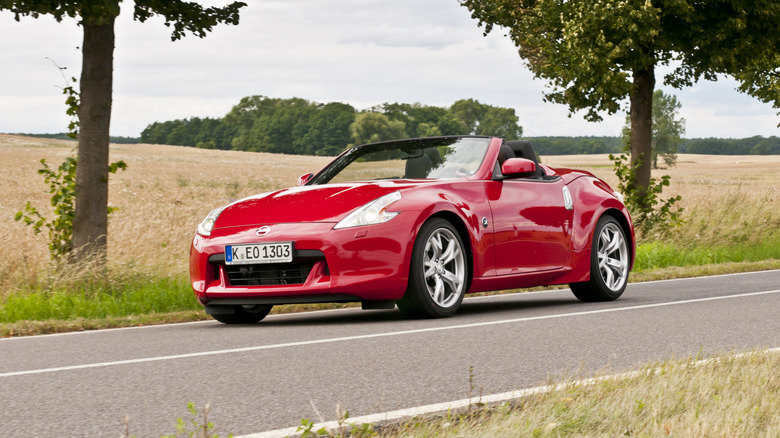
[[272, 252]]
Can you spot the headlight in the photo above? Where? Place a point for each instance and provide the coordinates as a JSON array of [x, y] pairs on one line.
[[372, 213], [620, 197], [205, 227]]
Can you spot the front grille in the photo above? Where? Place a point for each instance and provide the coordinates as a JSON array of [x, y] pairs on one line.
[[269, 274]]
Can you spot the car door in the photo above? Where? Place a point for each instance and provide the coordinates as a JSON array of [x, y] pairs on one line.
[[531, 224]]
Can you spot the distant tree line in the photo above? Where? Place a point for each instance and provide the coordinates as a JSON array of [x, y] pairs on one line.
[[576, 145], [159, 132], [298, 126], [65, 136], [757, 145]]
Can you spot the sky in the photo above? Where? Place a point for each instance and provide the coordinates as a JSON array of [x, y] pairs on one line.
[[361, 52]]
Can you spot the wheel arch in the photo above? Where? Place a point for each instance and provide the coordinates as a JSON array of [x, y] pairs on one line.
[[463, 232], [627, 230]]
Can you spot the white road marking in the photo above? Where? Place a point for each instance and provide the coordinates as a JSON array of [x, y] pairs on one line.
[[400, 414], [375, 335]]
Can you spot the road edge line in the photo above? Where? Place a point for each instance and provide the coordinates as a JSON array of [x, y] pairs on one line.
[[437, 408]]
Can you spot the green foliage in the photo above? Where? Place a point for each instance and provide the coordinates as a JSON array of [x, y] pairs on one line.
[[596, 54], [328, 130], [370, 127], [298, 126], [648, 211], [195, 426], [124, 295], [212, 133], [589, 50], [182, 16], [658, 255], [729, 146], [306, 430], [97, 20], [668, 129], [72, 102], [62, 187]]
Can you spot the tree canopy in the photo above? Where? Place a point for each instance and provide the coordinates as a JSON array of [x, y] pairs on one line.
[[298, 126], [596, 54], [90, 223]]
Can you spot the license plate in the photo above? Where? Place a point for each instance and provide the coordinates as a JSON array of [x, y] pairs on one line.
[[272, 252]]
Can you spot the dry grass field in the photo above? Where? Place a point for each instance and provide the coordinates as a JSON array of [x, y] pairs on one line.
[[162, 196], [167, 190]]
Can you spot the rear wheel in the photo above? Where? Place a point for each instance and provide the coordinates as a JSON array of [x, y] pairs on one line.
[[609, 263], [243, 314], [438, 274]]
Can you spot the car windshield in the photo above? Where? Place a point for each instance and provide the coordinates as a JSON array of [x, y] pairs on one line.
[[428, 158]]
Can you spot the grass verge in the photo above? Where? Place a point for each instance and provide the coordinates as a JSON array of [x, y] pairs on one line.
[[728, 396], [148, 300], [661, 255]]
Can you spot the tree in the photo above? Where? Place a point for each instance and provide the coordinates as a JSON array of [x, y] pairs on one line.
[[370, 127], [481, 119], [90, 223], [329, 130], [501, 122], [668, 129], [468, 111], [596, 53]]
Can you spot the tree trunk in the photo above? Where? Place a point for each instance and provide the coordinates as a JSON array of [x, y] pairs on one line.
[[90, 224], [642, 127]]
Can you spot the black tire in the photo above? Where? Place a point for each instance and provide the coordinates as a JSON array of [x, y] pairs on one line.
[[609, 264], [244, 314], [438, 275]]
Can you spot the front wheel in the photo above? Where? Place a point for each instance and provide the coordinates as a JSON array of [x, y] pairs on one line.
[[243, 314], [609, 262], [438, 274]]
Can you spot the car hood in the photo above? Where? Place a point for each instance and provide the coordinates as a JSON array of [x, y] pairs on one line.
[[322, 203]]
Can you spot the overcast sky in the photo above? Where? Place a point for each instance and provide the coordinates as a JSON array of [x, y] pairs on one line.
[[362, 52]]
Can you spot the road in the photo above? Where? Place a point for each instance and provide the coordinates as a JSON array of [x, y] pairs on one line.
[[288, 367]]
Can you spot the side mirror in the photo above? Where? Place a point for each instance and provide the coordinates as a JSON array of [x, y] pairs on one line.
[[304, 178], [517, 167]]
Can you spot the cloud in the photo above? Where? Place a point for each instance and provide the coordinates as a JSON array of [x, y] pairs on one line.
[[362, 52], [398, 36]]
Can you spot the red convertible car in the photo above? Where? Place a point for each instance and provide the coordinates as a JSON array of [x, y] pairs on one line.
[[416, 223]]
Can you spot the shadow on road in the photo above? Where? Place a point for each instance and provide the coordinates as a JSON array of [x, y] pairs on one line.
[[503, 307]]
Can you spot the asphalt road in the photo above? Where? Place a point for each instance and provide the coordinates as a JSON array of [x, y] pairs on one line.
[[288, 367]]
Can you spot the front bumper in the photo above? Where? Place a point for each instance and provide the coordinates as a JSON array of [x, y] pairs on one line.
[[368, 263]]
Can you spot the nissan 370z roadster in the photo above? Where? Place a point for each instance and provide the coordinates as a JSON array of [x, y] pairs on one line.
[[416, 223]]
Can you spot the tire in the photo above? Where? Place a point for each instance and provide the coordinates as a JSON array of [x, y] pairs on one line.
[[438, 274], [609, 262], [243, 314]]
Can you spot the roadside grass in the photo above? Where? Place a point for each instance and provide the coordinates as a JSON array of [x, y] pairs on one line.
[[728, 396], [659, 255], [170, 300], [138, 297]]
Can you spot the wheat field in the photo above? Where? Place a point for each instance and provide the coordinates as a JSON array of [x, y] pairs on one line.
[[162, 196], [167, 190]]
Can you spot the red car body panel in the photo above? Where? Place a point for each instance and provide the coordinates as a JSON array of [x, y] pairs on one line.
[[518, 233]]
